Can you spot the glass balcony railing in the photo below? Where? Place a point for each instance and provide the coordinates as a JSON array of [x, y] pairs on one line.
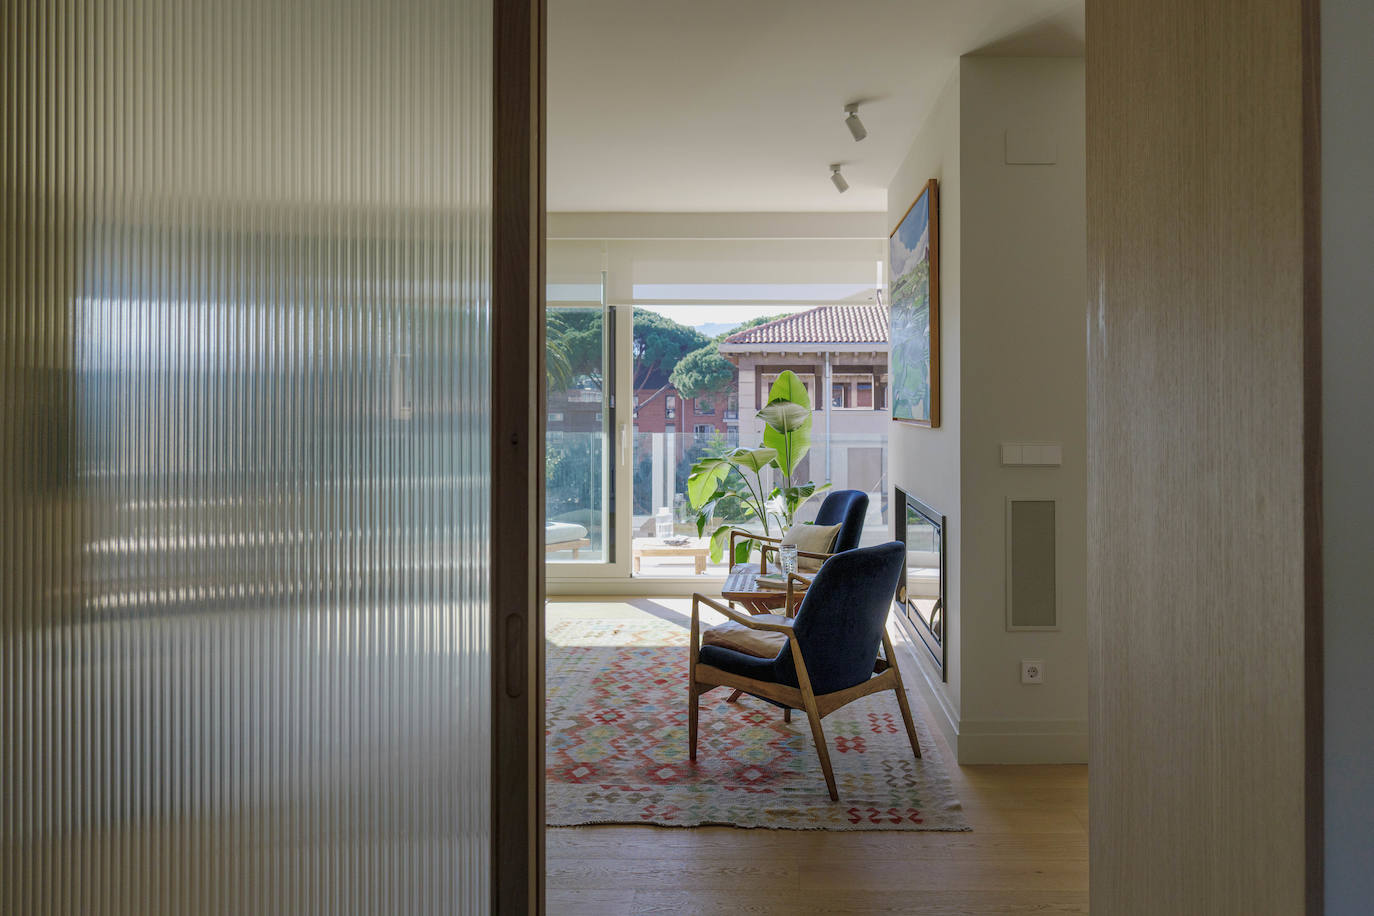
[[663, 461], [576, 502]]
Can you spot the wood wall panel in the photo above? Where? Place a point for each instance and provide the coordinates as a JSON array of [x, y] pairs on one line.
[[1196, 456]]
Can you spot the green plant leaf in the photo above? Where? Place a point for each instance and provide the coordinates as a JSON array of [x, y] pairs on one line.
[[718, 542], [705, 479], [790, 446], [796, 497], [785, 416], [787, 422], [755, 459], [789, 387], [704, 514], [742, 550]]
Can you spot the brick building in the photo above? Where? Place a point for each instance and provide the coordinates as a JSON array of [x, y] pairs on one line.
[[658, 408]]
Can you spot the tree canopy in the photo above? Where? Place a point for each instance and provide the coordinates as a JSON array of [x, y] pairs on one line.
[[573, 338], [691, 360], [703, 371], [660, 343]]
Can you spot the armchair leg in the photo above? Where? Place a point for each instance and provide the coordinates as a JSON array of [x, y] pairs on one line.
[[787, 715], [734, 695], [693, 696], [822, 750], [906, 720], [890, 654]]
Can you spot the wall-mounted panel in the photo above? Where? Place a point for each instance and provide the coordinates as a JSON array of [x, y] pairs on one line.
[[1032, 565]]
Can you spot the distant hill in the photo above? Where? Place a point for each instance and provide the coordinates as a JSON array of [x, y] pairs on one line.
[[713, 328]]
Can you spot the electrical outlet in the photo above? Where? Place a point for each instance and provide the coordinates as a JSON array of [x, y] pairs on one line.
[[1032, 671]]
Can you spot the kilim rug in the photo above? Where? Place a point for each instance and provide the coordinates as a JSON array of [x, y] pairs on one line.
[[617, 746]]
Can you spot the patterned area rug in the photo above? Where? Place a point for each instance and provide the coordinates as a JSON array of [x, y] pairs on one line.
[[617, 747]]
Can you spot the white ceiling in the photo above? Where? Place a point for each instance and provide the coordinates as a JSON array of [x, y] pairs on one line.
[[737, 105]]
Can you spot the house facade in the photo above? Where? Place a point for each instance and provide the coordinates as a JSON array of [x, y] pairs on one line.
[[841, 355]]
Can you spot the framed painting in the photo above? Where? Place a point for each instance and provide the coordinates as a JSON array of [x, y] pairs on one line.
[[913, 266]]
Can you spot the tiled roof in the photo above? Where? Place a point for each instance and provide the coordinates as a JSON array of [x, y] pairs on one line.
[[844, 324]]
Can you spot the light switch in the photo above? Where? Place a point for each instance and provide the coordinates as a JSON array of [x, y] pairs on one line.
[[1043, 454], [1032, 454]]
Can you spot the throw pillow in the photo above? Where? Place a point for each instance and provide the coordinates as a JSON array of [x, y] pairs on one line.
[[811, 539]]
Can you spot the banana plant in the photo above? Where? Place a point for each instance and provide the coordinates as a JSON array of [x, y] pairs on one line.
[[711, 488], [732, 484], [787, 430]]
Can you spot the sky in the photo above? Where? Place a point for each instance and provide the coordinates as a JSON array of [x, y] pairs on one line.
[[694, 316]]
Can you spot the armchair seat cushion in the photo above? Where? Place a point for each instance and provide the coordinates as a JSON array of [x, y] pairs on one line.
[[758, 643]]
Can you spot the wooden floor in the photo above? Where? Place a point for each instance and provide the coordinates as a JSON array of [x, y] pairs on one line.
[[1027, 853]]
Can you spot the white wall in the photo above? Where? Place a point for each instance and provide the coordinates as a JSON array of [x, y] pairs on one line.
[[1025, 379], [925, 462], [1348, 449], [1013, 269]]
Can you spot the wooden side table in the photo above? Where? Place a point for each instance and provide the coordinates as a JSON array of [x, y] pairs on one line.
[[741, 587]]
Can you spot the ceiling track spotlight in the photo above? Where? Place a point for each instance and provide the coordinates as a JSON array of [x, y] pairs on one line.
[[837, 179], [856, 127]]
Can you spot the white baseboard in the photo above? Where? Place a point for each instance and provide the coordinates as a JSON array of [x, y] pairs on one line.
[[992, 740], [946, 716]]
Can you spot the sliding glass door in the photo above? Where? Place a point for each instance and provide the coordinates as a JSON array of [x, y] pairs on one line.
[[661, 353], [583, 443]]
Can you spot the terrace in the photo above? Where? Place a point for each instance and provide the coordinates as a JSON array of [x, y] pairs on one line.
[[611, 504]]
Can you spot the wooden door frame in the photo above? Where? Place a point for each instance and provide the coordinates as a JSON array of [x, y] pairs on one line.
[[1314, 627], [517, 481]]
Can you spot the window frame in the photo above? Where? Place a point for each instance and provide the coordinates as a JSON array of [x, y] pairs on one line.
[[850, 379]]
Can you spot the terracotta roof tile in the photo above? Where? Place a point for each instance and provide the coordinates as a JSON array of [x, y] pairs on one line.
[[846, 324]]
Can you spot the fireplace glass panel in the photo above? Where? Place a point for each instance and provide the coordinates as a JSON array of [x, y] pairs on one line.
[[921, 592]]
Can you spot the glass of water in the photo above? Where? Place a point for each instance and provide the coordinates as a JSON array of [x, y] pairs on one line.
[[787, 558]]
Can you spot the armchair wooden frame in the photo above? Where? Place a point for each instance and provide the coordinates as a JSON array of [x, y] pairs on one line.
[[767, 545], [703, 678]]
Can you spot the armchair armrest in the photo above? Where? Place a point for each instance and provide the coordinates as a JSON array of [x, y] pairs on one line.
[[747, 620], [773, 548], [766, 549], [790, 607], [737, 533]]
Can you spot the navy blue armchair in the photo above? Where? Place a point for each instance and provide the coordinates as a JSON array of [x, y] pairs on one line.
[[829, 652], [846, 508]]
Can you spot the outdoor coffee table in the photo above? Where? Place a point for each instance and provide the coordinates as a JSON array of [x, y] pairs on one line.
[[742, 587], [696, 548]]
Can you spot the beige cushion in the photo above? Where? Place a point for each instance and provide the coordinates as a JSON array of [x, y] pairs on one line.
[[811, 539], [758, 643]]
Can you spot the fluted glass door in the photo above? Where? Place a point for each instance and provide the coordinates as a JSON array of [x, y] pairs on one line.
[[245, 384]]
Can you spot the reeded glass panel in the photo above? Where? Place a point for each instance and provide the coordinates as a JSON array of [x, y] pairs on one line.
[[244, 456]]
